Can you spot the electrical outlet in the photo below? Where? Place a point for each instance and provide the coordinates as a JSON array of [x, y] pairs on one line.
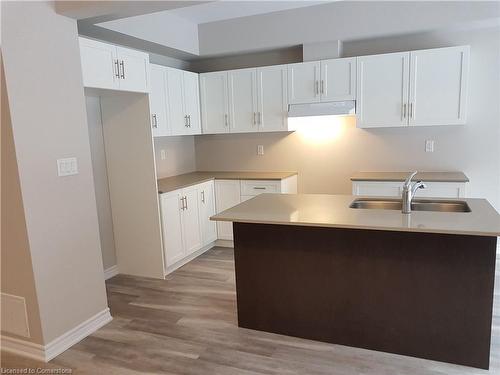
[[67, 167], [163, 154], [260, 150], [429, 145]]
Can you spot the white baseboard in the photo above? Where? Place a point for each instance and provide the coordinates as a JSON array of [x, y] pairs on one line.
[[182, 262], [23, 348], [62, 343], [110, 272], [224, 243]]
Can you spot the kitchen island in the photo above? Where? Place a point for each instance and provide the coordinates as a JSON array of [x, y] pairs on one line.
[[419, 284]]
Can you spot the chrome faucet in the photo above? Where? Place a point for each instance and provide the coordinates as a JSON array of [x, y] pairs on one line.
[[409, 190]]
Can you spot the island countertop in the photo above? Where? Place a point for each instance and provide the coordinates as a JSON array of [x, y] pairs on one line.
[[188, 179], [333, 211]]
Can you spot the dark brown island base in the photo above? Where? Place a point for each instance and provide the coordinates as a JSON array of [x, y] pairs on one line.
[[411, 291]]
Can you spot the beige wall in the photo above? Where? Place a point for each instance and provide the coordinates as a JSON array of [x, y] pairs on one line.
[[17, 273], [325, 158], [94, 120], [47, 108], [180, 157]]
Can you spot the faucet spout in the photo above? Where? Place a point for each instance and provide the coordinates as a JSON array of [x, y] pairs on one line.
[[409, 191]]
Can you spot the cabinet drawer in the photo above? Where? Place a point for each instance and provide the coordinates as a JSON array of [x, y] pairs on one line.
[[256, 187]]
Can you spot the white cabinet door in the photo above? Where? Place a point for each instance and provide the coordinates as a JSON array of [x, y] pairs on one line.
[[158, 101], [303, 82], [438, 86], [272, 98], [171, 209], [243, 100], [192, 102], [99, 64], [338, 79], [206, 202], [191, 231], [134, 70], [227, 195], [214, 103], [175, 97], [382, 90]]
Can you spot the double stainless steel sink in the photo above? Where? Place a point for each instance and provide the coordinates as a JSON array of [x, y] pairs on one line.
[[416, 205]]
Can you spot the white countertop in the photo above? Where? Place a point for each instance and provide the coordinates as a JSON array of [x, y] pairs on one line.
[[188, 179], [333, 211]]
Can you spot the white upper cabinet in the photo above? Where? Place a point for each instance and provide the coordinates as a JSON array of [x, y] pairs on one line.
[[214, 102], [243, 100], [338, 79], [417, 88], [105, 66], [175, 101], [304, 82], [382, 90], [191, 100], [438, 86], [272, 98], [158, 102], [134, 70], [99, 64], [175, 95]]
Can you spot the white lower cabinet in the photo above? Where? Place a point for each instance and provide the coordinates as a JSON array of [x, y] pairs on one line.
[[206, 202], [394, 189], [171, 212], [186, 224], [227, 195]]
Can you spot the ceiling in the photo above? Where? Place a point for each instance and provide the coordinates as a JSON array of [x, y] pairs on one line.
[[224, 9]]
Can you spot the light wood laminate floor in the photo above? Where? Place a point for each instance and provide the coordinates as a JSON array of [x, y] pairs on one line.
[[187, 325]]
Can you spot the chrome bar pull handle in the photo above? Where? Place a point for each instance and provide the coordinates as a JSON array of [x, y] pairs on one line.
[[186, 200], [260, 118], [189, 120], [254, 118], [117, 66], [411, 110], [155, 121], [203, 196], [122, 64], [404, 110], [322, 86], [316, 87], [226, 123]]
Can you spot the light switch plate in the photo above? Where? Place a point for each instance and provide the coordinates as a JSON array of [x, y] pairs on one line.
[[163, 154], [429, 145], [67, 167], [260, 150]]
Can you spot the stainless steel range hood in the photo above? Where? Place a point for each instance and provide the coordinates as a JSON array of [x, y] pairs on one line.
[[341, 108]]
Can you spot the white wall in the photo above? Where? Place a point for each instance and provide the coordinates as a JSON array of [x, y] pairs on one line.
[[47, 107], [100, 173], [16, 267], [326, 158], [341, 20], [168, 30]]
